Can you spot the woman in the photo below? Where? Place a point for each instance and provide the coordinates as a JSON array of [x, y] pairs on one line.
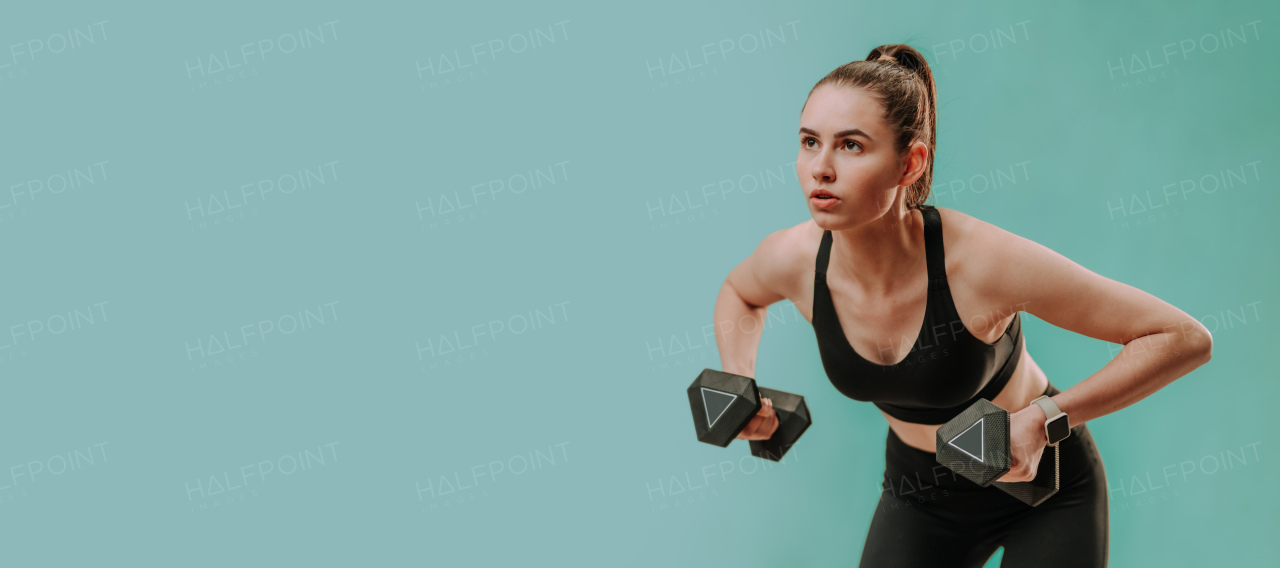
[[924, 334]]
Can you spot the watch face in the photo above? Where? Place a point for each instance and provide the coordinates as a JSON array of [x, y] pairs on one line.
[[1057, 429]]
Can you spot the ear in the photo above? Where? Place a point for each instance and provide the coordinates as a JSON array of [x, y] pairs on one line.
[[916, 159]]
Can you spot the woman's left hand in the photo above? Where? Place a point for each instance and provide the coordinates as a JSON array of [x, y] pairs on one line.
[[1027, 443]]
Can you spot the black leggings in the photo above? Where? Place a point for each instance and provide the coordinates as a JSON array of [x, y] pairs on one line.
[[929, 516]]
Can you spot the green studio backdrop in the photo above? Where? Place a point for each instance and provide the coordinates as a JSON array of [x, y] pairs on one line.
[[376, 284]]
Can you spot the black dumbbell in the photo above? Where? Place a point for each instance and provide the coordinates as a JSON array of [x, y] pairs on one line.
[[975, 444], [724, 403]]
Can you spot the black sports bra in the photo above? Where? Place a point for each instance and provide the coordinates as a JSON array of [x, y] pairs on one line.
[[947, 369]]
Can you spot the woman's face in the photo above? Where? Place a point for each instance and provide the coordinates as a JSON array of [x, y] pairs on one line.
[[846, 151]]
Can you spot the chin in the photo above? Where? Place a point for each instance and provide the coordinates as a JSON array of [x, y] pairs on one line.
[[828, 221]]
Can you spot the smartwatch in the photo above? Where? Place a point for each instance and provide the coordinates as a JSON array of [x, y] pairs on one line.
[[1056, 426]]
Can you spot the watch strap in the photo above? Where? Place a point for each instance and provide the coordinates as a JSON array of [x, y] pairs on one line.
[[1048, 405], [1051, 411]]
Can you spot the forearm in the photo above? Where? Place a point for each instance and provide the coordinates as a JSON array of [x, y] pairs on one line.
[[1144, 366], [738, 328]]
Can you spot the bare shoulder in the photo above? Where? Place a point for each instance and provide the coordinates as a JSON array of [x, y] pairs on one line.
[[990, 268], [971, 243], [995, 268], [775, 270], [978, 269]]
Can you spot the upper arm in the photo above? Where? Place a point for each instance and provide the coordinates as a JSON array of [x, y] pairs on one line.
[[1055, 289], [769, 274]]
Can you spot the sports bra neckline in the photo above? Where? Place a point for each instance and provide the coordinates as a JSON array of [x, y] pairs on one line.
[[935, 264]]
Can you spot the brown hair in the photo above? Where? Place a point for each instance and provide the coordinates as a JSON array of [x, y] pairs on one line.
[[898, 76]]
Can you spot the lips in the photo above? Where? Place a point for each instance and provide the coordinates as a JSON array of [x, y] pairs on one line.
[[823, 199]]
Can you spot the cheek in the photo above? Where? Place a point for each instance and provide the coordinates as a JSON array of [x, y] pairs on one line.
[[879, 174], [867, 175]]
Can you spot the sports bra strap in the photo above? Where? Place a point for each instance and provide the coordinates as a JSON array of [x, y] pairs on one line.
[[934, 256], [824, 253]]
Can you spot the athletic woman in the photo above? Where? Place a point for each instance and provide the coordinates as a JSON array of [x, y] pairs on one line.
[[924, 334]]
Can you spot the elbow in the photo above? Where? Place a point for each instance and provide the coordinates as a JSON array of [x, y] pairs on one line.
[[1194, 342]]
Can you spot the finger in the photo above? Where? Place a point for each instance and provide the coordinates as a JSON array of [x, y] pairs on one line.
[[750, 431], [766, 417], [1014, 476], [760, 420], [770, 423], [747, 430], [1015, 470]]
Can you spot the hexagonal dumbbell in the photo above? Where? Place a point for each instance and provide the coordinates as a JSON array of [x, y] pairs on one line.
[[724, 403], [975, 444]]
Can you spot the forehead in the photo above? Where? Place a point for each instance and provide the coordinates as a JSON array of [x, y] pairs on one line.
[[832, 108]]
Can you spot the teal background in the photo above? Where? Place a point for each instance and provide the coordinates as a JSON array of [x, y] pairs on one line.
[[594, 394]]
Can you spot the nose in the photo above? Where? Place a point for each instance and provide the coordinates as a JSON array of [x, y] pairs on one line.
[[821, 169]]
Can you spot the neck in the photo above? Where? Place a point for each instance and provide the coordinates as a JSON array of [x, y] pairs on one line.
[[878, 256]]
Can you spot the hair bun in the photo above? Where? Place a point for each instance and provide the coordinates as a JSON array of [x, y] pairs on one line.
[[908, 60], [904, 59]]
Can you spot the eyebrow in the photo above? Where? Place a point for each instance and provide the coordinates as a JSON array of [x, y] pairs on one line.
[[841, 134]]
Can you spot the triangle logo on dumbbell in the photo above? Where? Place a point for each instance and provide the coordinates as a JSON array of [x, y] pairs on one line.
[[970, 441], [716, 402]]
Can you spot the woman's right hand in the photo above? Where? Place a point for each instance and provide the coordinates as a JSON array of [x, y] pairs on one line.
[[762, 425]]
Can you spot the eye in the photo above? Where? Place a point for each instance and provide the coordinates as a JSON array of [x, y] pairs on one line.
[[804, 142]]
